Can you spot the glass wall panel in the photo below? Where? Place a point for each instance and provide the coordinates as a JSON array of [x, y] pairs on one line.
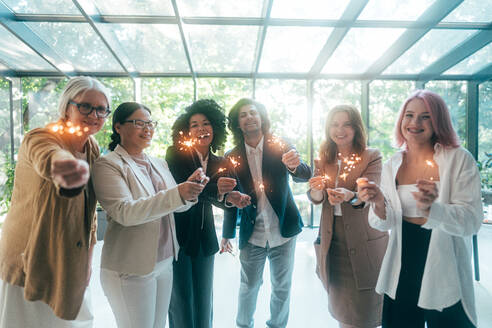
[[43, 7], [220, 8], [150, 47], [121, 90], [309, 9], [286, 103], [292, 49], [394, 10], [360, 48], [166, 98], [473, 63], [5, 144], [40, 99], [385, 100], [430, 48], [135, 7], [232, 51], [327, 94], [454, 94], [485, 132], [471, 11], [79, 44], [226, 92], [19, 56]]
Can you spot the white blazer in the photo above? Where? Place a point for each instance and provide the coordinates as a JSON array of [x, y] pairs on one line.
[[454, 217], [134, 211]]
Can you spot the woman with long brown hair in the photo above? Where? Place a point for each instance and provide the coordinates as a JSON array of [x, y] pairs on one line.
[[349, 251]]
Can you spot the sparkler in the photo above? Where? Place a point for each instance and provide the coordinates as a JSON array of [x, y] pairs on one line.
[[186, 144], [429, 164], [69, 128], [219, 171], [276, 141], [349, 164]]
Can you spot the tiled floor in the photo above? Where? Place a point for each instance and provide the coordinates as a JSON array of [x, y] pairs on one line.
[[308, 299]]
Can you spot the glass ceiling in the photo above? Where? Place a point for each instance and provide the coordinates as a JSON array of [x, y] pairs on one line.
[[342, 39]]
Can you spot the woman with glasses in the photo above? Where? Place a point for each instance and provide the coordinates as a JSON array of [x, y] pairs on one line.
[[49, 233], [430, 200], [139, 195], [204, 123]]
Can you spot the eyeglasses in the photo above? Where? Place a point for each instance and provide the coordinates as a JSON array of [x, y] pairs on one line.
[[140, 124], [86, 109]]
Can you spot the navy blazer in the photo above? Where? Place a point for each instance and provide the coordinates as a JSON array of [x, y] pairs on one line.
[[195, 228], [276, 181]]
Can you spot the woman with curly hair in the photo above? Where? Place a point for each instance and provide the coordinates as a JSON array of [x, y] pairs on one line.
[[205, 123]]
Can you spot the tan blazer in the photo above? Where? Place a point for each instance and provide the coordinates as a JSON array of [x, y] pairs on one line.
[[48, 231], [133, 211], [366, 245]]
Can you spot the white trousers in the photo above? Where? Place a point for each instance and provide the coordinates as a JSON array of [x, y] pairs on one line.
[[140, 301], [16, 311]]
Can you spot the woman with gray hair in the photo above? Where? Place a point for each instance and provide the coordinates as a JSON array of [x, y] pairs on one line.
[[49, 232]]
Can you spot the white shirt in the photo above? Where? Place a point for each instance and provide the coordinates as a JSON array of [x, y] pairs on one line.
[[203, 161], [454, 217], [267, 228]]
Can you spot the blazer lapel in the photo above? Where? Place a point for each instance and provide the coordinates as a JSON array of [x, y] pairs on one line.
[[243, 172], [133, 166]]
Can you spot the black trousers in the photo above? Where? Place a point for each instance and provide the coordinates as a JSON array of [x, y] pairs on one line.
[[403, 312], [192, 295]]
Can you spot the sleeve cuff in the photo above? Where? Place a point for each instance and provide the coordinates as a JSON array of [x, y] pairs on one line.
[[433, 219]]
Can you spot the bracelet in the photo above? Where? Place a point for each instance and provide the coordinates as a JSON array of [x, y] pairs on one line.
[[354, 200]]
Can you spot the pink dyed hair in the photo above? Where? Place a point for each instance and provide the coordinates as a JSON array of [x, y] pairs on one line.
[[444, 132]]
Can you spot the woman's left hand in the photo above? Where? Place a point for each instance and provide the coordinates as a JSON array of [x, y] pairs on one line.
[[426, 195]]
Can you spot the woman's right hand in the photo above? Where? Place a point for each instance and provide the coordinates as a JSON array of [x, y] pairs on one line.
[[190, 190], [70, 173], [226, 246], [317, 183]]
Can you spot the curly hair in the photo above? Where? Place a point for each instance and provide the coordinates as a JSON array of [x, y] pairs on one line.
[[214, 113], [237, 133]]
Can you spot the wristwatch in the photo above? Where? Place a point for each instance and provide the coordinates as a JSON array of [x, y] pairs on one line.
[[354, 200]]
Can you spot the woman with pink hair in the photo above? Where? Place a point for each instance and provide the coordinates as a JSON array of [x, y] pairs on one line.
[[430, 199]]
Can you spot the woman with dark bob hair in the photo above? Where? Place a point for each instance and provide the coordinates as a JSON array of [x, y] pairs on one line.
[[203, 122], [139, 195], [430, 200]]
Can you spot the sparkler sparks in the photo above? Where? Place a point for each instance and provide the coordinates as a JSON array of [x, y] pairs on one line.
[[276, 141], [349, 164], [68, 127], [429, 164]]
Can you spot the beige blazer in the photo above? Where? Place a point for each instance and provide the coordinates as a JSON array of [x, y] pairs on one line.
[[134, 211], [366, 245], [49, 230]]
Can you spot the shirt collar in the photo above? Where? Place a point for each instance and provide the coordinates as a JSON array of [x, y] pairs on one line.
[[259, 147]]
